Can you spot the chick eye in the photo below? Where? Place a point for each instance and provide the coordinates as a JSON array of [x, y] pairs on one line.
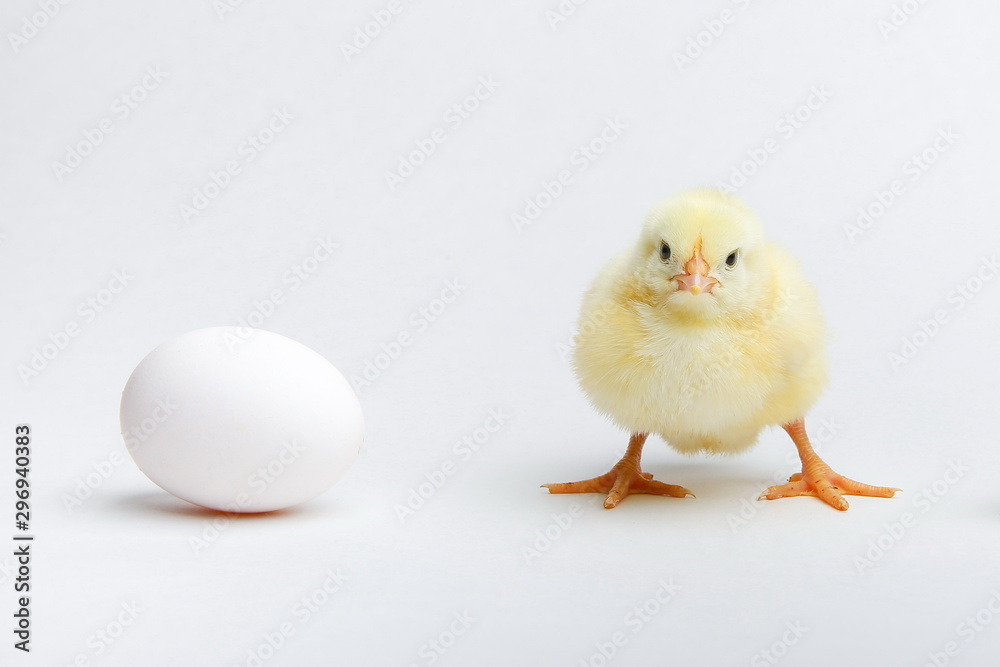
[[664, 251], [731, 260]]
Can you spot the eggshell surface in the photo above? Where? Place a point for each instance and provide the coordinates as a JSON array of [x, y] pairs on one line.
[[240, 420]]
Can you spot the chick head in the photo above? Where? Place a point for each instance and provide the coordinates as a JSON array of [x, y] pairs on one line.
[[701, 255]]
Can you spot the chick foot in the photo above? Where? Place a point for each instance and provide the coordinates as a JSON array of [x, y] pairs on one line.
[[625, 478], [818, 479]]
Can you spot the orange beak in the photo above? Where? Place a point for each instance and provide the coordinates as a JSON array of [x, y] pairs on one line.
[[695, 278]]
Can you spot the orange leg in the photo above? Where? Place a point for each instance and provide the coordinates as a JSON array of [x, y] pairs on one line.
[[817, 479], [625, 478]]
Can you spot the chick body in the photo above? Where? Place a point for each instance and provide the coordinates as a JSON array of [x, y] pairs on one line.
[[704, 378]]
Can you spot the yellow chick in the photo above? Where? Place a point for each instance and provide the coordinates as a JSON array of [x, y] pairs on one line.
[[704, 333]]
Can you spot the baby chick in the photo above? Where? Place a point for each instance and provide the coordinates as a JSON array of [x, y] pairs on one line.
[[704, 333]]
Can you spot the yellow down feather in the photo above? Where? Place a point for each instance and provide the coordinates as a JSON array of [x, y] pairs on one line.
[[706, 372]]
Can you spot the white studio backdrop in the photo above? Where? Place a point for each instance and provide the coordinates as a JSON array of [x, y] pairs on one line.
[[420, 192]]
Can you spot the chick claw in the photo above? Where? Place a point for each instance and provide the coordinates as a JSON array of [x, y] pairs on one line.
[[826, 485], [818, 479], [617, 485], [623, 479]]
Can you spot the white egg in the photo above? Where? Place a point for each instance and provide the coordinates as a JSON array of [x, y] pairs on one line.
[[240, 420]]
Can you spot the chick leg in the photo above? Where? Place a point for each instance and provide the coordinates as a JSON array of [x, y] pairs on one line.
[[625, 478], [817, 479]]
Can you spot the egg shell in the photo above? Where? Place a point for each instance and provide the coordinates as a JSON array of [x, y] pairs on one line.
[[240, 420]]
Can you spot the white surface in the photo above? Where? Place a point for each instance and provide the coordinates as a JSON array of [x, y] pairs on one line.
[[446, 232], [238, 419]]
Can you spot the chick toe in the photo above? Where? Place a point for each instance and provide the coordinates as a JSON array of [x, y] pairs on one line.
[[618, 484], [828, 486], [818, 479], [624, 479]]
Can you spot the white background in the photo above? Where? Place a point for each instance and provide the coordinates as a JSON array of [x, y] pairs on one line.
[[743, 570]]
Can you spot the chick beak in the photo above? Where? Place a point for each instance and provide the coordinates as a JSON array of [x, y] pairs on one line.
[[695, 278]]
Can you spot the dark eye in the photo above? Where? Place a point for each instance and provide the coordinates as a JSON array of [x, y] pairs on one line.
[[731, 260], [664, 251]]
